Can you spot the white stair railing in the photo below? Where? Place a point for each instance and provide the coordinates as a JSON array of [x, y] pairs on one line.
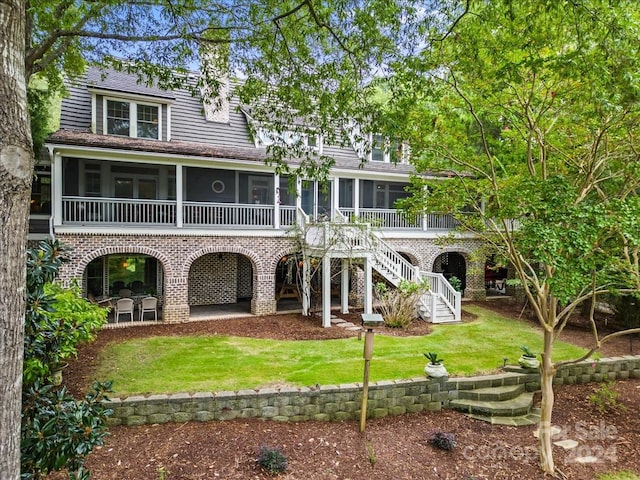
[[393, 266], [440, 286]]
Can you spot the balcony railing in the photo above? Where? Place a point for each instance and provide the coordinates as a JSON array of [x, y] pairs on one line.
[[202, 214], [117, 211], [396, 219], [163, 213]]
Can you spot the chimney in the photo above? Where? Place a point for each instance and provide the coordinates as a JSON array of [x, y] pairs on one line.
[[214, 66]]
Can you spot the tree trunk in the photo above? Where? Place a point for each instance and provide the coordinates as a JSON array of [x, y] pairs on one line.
[[547, 372], [16, 167]]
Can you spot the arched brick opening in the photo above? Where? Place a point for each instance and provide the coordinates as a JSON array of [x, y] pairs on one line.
[[219, 276]]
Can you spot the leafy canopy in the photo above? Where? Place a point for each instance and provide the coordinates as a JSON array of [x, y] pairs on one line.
[[298, 63], [532, 108]]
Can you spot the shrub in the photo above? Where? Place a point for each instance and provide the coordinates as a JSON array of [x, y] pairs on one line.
[[272, 460], [442, 440], [605, 398], [399, 305], [58, 431]]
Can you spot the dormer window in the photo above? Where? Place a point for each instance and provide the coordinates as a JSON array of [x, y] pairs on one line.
[[388, 151], [132, 119], [265, 137]]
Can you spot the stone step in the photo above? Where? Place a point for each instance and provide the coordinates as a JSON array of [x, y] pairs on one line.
[[492, 394], [532, 418], [521, 405]]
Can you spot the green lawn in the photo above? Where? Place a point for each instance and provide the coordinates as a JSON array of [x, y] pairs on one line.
[[216, 363]]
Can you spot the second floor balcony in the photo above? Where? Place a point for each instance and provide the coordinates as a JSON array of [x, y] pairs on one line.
[[117, 212]]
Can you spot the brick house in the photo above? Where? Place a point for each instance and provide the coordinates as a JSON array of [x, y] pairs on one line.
[[157, 193]]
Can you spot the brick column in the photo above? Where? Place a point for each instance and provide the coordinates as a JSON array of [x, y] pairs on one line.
[[475, 281], [176, 305], [356, 293], [263, 301]]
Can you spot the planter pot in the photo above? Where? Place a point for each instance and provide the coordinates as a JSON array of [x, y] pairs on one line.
[[530, 363], [56, 374], [435, 371]]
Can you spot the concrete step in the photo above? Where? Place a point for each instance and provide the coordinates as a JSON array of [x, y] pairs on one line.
[[532, 418], [521, 405], [492, 394]]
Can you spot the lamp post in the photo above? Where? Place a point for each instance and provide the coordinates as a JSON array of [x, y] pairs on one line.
[[369, 321]]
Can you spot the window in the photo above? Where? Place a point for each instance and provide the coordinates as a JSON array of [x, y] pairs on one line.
[[265, 137], [92, 181], [378, 152], [131, 119]]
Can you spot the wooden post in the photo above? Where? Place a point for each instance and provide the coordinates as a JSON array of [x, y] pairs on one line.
[[368, 353]]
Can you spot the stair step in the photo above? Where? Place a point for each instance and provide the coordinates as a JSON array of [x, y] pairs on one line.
[[521, 405], [532, 418], [492, 394]]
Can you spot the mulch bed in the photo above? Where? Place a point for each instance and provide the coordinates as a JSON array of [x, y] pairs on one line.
[[390, 448]]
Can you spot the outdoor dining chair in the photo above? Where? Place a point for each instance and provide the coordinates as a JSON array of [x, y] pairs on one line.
[[124, 306], [149, 304]]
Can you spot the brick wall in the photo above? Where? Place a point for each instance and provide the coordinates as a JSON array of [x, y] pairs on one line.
[[189, 261], [213, 279]]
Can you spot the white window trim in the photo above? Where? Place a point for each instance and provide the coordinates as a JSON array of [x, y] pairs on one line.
[[279, 138], [386, 154], [133, 115]]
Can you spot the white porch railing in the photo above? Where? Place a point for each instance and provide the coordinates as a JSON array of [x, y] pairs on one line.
[[287, 215], [227, 214], [96, 211], [395, 219]]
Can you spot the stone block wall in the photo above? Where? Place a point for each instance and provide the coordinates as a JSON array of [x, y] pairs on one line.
[[343, 402]]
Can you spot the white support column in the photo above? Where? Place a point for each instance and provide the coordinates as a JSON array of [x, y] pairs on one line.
[[179, 209], [306, 285], [298, 193], [56, 187], [344, 286], [276, 201], [356, 197], [326, 292], [368, 286], [335, 201]]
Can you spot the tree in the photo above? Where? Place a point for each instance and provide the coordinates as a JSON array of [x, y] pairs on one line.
[[302, 58], [57, 430], [532, 109]]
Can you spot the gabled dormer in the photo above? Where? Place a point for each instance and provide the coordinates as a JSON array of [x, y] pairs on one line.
[[133, 111], [265, 135]]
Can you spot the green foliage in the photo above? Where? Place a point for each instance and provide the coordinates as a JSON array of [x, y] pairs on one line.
[[442, 440], [272, 460], [58, 432], [526, 352], [57, 319], [540, 123], [433, 358], [399, 305], [39, 100], [621, 475], [605, 398], [456, 283], [305, 60]]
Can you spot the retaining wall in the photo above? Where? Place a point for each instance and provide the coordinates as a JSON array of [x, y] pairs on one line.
[[343, 402]]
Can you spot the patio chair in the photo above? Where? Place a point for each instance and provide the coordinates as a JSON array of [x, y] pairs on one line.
[[124, 306], [149, 304]]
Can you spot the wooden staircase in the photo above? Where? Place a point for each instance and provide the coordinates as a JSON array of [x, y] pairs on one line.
[[343, 239]]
